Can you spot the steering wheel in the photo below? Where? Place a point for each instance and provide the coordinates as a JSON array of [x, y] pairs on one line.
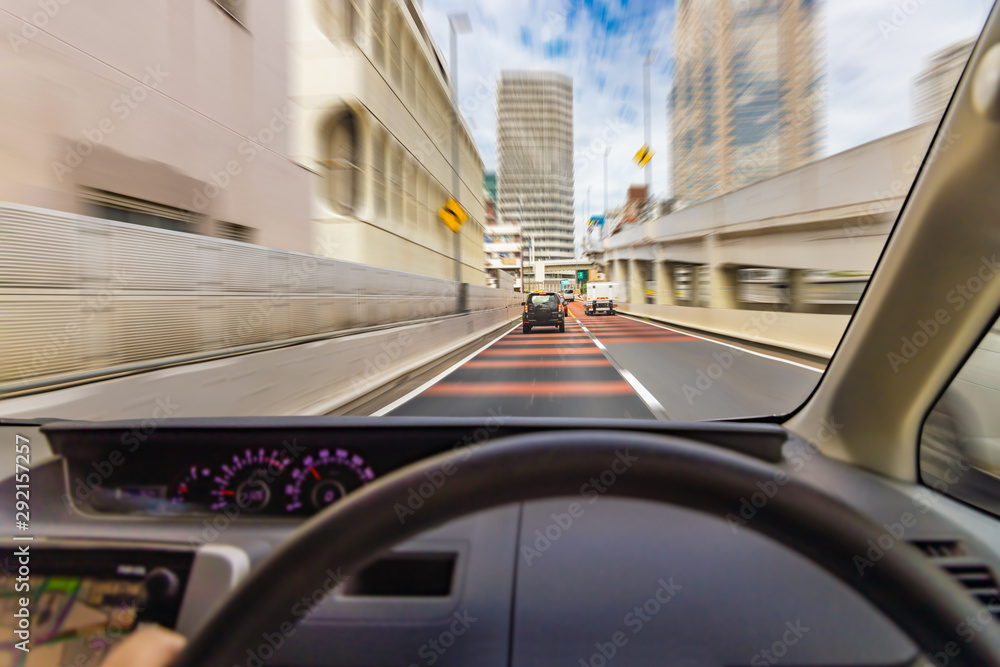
[[912, 592]]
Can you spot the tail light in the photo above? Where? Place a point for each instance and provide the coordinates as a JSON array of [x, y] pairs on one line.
[[525, 307], [560, 309]]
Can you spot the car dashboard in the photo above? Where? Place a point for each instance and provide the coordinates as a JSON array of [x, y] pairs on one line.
[[171, 516]]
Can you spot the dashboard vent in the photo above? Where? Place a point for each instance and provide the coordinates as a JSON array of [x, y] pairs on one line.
[[980, 582], [974, 576], [406, 575], [941, 548]]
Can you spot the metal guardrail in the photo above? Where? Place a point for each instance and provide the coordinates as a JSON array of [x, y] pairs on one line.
[[80, 294]]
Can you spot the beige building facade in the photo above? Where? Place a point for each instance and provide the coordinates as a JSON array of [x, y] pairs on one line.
[[934, 86], [374, 123], [155, 112]]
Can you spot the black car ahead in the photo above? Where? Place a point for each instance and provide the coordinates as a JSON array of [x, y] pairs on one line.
[[543, 309]]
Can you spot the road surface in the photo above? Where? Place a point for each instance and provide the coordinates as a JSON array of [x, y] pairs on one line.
[[611, 367]]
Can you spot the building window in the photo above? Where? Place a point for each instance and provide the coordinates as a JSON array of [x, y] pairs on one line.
[[234, 232], [423, 80], [395, 57], [396, 186], [378, 32], [344, 184], [411, 75], [422, 197], [356, 26], [378, 172], [432, 202], [122, 208], [411, 192], [336, 18]]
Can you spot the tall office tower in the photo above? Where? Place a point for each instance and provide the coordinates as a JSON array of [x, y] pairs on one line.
[[933, 87], [535, 159], [746, 102]]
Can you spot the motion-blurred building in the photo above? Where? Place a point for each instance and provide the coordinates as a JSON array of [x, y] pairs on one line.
[[157, 113], [490, 184], [933, 87], [535, 158], [501, 241], [375, 125], [746, 102], [637, 202]]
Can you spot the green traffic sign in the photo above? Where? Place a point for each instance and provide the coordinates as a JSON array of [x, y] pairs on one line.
[[583, 275]]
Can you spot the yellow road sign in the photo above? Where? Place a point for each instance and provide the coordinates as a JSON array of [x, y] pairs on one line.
[[453, 215], [644, 155]]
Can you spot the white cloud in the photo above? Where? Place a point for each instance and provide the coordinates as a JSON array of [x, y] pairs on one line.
[[875, 48]]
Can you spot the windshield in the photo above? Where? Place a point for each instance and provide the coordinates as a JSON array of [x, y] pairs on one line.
[[328, 207]]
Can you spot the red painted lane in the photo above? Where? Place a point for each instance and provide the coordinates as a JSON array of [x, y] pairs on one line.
[[540, 373], [561, 340], [627, 332], [537, 363], [639, 339], [546, 337], [520, 351], [612, 388], [616, 330], [544, 347]]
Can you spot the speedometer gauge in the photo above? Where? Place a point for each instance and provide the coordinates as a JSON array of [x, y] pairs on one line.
[[324, 479], [247, 480], [193, 490]]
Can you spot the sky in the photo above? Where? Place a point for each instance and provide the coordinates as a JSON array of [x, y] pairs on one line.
[[873, 50]]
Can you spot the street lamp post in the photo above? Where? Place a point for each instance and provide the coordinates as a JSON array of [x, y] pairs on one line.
[[646, 63], [459, 23], [521, 240], [520, 223], [531, 257]]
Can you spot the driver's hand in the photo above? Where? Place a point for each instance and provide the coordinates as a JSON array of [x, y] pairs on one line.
[[149, 646]]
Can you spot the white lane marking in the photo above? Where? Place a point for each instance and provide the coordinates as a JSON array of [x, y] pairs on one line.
[[593, 338], [437, 378], [735, 347], [644, 394], [654, 405]]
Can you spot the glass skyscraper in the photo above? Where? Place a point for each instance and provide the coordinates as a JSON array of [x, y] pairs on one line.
[[746, 102]]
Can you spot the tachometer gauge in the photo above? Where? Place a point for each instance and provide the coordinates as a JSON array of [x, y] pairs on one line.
[[247, 480], [326, 478]]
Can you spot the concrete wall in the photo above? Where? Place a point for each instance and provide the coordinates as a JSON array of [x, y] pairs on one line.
[[308, 379], [172, 102], [95, 297], [812, 334]]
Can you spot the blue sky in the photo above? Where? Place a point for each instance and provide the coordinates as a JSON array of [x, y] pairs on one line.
[[873, 50]]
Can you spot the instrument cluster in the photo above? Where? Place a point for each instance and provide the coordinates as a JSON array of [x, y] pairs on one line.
[[263, 481]]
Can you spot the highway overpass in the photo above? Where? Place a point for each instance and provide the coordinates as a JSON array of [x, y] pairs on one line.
[[804, 241]]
